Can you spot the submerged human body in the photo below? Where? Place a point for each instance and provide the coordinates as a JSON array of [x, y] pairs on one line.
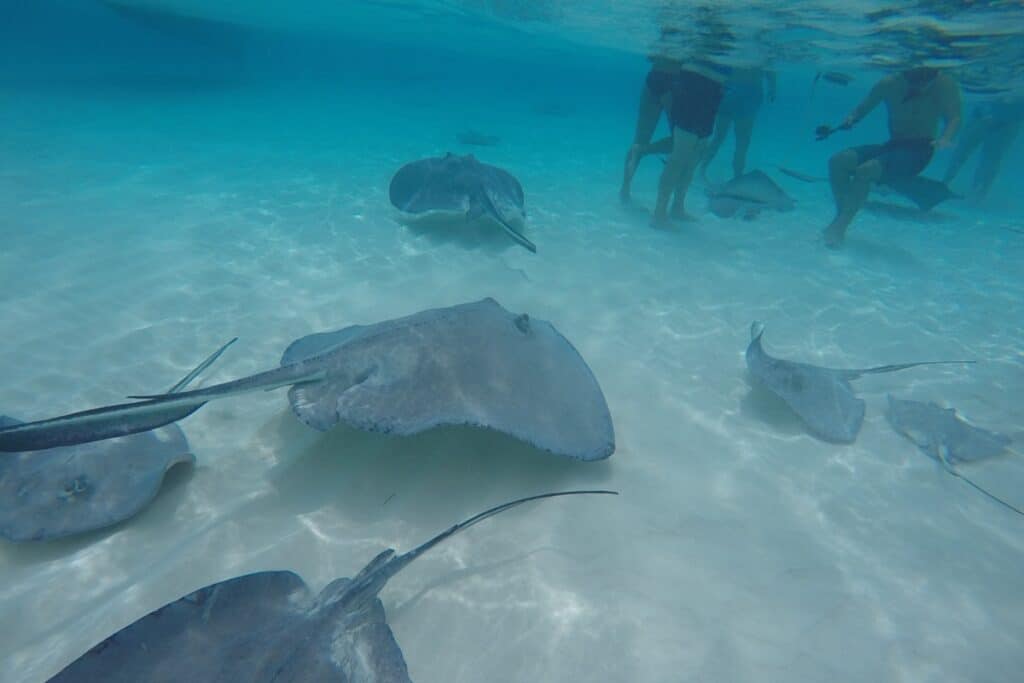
[[653, 97], [695, 98], [916, 100], [993, 128], [744, 93]]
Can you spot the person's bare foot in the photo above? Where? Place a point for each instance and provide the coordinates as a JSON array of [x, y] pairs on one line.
[[834, 236], [679, 214], [661, 222]]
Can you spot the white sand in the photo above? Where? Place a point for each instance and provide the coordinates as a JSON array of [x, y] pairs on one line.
[[138, 235]]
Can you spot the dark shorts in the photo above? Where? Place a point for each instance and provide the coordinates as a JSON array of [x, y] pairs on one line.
[[899, 158], [695, 102], [659, 82]]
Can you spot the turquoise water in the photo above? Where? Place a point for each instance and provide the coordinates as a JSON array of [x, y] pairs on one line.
[[170, 183]]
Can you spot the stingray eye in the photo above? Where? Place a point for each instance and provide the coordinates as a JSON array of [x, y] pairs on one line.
[[522, 323]]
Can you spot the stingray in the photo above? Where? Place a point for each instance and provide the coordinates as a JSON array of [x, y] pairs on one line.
[[269, 626], [927, 193], [947, 438], [73, 489], [460, 193], [750, 193], [822, 398], [473, 364]]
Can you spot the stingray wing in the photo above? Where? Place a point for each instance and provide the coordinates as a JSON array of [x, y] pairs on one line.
[[475, 364], [254, 628], [63, 491]]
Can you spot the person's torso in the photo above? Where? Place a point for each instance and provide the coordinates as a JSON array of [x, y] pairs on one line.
[[917, 116]]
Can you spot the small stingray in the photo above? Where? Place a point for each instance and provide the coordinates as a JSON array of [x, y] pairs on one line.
[[947, 438], [925, 192], [822, 398], [474, 364], [901, 212], [750, 193], [472, 137], [269, 626], [73, 489], [460, 193]]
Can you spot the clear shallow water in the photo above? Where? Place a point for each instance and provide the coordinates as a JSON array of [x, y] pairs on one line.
[[147, 219]]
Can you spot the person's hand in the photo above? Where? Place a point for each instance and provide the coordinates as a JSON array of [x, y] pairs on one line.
[[822, 132]]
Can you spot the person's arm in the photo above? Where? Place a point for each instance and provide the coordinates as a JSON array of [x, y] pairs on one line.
[[951, 107], [874, 97]]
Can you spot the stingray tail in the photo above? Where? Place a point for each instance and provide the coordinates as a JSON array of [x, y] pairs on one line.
[[104, 423], [952, 470], [387, 566], [903, 366], [512, 232], [201, 368]]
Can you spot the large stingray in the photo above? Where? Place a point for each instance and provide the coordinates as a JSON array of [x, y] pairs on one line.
[[947, 438], [73, 489], [823, 398], [750, 193], [461, 194], [268, 627], [474, 364]]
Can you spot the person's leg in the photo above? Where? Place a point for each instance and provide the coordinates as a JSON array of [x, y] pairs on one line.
[[722, 126], [690, 161], [744, 131], [970, 138], [851, 183], [646, 121], [682, 148], [992, 154]]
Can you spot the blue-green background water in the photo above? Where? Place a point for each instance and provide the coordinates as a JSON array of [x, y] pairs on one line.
[[169, 183]]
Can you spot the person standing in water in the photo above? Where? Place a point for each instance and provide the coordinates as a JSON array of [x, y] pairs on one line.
[[663, 73], [692, 107], [993, 128], [916, 99], [744, 93]]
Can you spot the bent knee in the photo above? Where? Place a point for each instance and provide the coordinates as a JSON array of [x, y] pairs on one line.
[[843, 162]]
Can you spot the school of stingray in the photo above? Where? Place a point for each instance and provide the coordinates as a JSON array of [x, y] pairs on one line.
[[473, 364]]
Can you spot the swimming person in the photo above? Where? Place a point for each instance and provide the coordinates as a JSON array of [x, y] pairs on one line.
[[695, 97], [653, 99], [993, 127], [744, 93], [916, 99]]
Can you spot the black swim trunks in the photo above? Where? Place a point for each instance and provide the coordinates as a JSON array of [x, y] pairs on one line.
[[695, 100], [659, 82], [899, 158]]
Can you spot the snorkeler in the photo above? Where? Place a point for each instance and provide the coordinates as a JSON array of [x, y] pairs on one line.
[[993, 127], [695, 97], [744, 93], [916, 99], [656, 88]]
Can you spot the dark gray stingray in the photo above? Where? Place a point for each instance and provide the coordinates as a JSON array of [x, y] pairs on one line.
[[823, 398], [73, 489], [947, 438], [268, 627], [942, 434], [925, 192], [750, 193], [474, 364], [460, 192]]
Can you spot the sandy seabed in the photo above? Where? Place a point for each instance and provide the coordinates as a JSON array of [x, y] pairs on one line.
[[141, 232]]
